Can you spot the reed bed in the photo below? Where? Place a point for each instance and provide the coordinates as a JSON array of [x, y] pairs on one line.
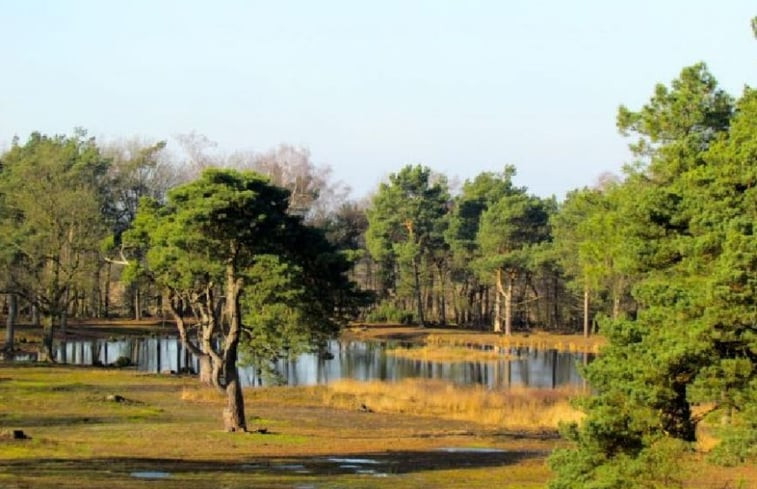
[[438, 353], [516, 408], [567, 343]]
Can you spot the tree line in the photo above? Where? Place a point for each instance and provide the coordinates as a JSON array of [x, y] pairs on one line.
[[489, 256]]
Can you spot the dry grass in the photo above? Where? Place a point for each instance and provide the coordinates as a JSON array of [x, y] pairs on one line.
[[569, 343], [201, 393], [517, 409], [434, 353], [80, 440], [466, 337]]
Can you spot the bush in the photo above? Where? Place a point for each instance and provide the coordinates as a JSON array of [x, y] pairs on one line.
[[388, 313], [122, 362]]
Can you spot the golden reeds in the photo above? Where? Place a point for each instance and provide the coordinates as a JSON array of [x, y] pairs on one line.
[[516, 408]]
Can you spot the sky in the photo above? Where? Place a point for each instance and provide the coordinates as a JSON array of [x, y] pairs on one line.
[[460, 86]]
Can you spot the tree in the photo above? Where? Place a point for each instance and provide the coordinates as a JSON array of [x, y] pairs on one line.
[[590, 234], [297, 299], [199, 244], [10, 321], [508, 230], [312, 193], [137, 169], [464, 223], [224, 247], [678, 124], [725, 249], [405, 225], [693, 338], [51, 222], [569, 235]]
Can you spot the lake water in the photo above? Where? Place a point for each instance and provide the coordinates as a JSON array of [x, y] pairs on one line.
[[358, 360]]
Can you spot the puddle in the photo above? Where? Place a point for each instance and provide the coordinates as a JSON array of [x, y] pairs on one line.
[[358, 465], [150, 475], [293, 467], [469, 450], [354, 461]]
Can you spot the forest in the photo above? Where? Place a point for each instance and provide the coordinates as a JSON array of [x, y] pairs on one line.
[[253, 254]]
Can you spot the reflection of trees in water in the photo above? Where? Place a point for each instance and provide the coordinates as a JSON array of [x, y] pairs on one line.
[[362, 361]]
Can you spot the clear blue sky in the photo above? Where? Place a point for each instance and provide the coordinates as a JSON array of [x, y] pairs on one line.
[[461, 86]]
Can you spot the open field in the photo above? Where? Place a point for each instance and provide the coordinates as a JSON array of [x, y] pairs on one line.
[[168, 424], [341, 436]]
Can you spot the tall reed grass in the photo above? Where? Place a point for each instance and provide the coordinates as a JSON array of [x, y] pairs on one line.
[[436, 353], [516, 408], [567, 343]]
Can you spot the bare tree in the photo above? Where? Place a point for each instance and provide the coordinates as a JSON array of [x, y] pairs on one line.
[[200, 152], [313, 193]]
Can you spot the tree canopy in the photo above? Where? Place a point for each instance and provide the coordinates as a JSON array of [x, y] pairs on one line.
[[693, 338], [225, 248]]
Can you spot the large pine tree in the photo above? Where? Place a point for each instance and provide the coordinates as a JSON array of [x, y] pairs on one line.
[[693, 340]]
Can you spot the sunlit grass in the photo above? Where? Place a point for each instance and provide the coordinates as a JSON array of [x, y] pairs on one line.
[[171, 423], [466, 337], [435, 353], [517, 408], [542, 341]]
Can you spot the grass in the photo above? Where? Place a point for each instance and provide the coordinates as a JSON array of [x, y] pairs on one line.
[[169, 423], [518, 409], [434, 353], [453, 337], [571, 343], [79, 439]]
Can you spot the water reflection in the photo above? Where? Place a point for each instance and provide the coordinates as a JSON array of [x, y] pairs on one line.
[[358, 360]]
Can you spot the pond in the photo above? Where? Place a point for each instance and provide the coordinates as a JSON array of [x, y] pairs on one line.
[[358, 360]]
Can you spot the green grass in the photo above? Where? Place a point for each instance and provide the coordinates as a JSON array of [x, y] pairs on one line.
[[81, 440]]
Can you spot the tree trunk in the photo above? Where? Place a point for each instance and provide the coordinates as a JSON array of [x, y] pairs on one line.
[[418, 295], [208, 359], [106, 298], [443, 297], [233, 415], [586, 312], [615, 305], [46, 353], [206, 369], [10, 324], [676, 415], [509, 305], [555, 302], [484, 318], [96, 299], [64, 313], [498, 303], [35, 316], [137, 304]]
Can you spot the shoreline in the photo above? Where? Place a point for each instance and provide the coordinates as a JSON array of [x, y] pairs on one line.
[[28, 337]]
